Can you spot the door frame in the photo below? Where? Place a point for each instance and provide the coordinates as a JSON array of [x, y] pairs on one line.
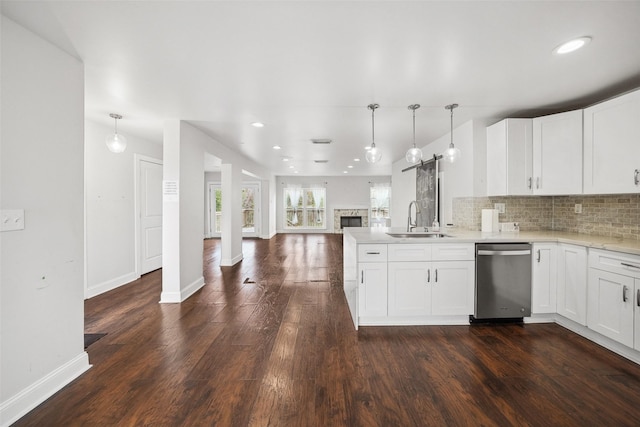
[[137, 159], [257, 215]]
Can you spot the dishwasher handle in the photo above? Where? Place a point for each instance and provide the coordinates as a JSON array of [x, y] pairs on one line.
[[504, 253]]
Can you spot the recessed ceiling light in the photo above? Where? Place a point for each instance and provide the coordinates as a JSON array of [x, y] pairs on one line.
[[571, 45], [350, 166], [291, 167], [257, 124], [345, 172], [356, 159], [295, 171], [285, 159], [276, 147]]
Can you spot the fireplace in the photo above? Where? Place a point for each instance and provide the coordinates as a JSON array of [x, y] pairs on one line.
[[350, 221]]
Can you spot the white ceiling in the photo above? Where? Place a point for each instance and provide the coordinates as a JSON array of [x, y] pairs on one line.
[[308, 69]]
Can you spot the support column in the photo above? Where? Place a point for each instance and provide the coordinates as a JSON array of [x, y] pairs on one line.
[[231, 236]]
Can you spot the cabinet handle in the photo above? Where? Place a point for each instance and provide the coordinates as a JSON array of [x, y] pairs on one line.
[[529, 184], [373, 253], [624, 293], [428, 275], [638, 298], [537, 182], [361, 276], [436, 276], [538, 255], [636, 176], [630, 265]]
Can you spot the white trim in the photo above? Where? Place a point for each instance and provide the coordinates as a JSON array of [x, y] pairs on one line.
[[21, 403], [111, 284], [178, 297], [230, 262], [137, 158]]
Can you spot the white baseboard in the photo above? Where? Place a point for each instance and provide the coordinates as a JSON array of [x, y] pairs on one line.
[[229, 262], [110, 284], [20, 404], [178, 297]]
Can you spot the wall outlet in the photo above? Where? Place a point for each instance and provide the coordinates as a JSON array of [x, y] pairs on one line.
[[509, 226], [500, 207], [578, 208]]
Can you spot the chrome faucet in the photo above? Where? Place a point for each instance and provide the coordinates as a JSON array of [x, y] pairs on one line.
[[412, 225]]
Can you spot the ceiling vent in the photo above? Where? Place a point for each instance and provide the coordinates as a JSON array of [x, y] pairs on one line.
[[321, 161], [321, 141]]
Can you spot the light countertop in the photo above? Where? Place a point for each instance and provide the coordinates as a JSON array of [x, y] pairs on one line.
[[379, 235]]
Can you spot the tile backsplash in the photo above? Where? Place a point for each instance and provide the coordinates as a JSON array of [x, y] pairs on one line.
[[602, 215]]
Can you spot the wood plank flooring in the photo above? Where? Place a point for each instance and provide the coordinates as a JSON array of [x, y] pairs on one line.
[[269, 342]]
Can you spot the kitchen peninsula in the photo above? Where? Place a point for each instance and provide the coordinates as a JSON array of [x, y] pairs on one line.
[[589, 284]]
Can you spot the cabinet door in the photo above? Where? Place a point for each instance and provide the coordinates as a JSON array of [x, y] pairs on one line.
[[557, 153], [543, 278], [372, 292], [410, 288], [509, 157], [452, 287], [572, 283], [610, 305], [612, 146]]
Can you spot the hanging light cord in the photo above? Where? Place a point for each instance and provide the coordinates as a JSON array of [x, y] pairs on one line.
[[414, 127], [373, 125], [452, 107]]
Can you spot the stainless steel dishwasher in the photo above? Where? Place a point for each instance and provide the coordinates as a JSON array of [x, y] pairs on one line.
[[503, 282]]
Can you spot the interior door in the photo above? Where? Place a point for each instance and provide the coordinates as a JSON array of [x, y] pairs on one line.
[[150, 216]]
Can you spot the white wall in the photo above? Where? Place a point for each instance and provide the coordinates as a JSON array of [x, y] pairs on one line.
[[42, 272], [110, 208], [460, 179], [343, 192]]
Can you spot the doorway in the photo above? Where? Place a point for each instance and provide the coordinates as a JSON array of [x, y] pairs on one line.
[[250, 209]]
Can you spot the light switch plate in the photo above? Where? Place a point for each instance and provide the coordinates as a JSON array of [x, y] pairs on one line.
[[500, 207], [578, 208], [11, 219]]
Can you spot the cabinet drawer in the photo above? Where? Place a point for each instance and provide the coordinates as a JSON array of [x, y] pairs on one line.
[[615, 262], [409, 252], [453, 252], [372, 253]]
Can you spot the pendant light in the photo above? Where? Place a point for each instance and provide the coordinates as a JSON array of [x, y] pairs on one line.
[[414, 154], [452, 153], [116, 143], [373, 154]]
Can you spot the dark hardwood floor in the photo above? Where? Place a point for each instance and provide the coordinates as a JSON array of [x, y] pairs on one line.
[[270, 342]]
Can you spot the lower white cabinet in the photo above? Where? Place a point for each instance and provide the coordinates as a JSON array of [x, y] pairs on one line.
[[372, 289], [544, 278], [572, 282], [614, 296], [422, 284]]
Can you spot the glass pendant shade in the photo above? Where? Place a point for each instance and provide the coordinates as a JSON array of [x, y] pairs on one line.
[[452, 153], [116, 143], [414, 154], [373, 154]]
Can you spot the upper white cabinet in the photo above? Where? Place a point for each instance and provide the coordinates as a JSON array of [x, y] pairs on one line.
[[612, 146], [557, 154], [535, 156], [510, 158]]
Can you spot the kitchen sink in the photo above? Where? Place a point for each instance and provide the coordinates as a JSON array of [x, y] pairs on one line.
[[428, 234]]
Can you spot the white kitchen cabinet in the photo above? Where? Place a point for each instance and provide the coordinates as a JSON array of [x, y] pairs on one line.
[[614, 296], [572, 283], [557, 154], [372, 289], [452, 288], [510, 158], [535, 156], [612, 146], [372, 280], [544, 278], [610, 305], [409, 288], [431, 279]]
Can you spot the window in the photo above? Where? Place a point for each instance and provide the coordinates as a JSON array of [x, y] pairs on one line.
[[380, 202], [305, 208]]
